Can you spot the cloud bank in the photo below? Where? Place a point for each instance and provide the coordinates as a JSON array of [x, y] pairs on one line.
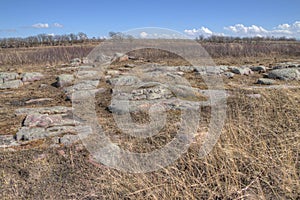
[[282, 30]]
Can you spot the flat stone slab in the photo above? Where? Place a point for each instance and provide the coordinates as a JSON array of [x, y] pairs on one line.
[[7, 141], [34, 133], [32, 76], [11, 84], [45, 120], [64, 80], [285, 74], [43, 110], [7, 76]]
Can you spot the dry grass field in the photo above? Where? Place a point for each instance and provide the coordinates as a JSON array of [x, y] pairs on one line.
[[256, 157]]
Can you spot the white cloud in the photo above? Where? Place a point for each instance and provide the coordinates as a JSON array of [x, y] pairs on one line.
[[244, 30], [282, 30], [201, 31], [143, 34], [51, 34], [40, 25], [58, 25]]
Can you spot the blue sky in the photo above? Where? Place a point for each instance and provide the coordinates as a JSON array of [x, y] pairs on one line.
[[21, 18]]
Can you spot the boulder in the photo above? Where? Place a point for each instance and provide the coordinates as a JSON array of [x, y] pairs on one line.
[[11, 84], [260, 69], [8, 76], [32, 76], [242, 71], [285, 74], [229, 74], [64, 80], [7, 141], [119, 57], [265, 81], [45, 120]]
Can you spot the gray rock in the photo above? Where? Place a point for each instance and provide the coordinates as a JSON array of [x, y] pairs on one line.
[[45, 120], [34, 133], [242, 71], [68, 140], [44, 110], [285, 74], [260, 69], [26, 133], [129, 65], [38, 101], [7, 141], [7, 76], [75, 62], [119, 57], [32, 76], [11, 84], [112, 72], [88, 75], [229, 74], [265, 81], [64, 80]]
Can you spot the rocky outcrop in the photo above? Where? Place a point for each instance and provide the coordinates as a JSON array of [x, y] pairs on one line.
[[286, 74]]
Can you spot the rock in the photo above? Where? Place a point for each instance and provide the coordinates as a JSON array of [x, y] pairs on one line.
[[242, 71], [85, 60], [229, 74], [90, 75], [34, 133], [84, 85], [44, 110], [38, 101], [7, 141], [186, 68], [26, 133], [8, 76], [129, 65], [119, 57], [31, 77], [112, 72], [64, 80], [45, 120], [11, 84], [68, 140], [75, 62], [254, 96], [265, 81], [260, 69], [285, 74]]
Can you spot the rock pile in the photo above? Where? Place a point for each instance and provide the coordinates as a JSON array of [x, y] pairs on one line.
[[11, 80]]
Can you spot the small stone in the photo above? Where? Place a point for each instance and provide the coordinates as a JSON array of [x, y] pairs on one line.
[[38, 101], [112, 72], [8, 76], [11, 84], [68, 140], [265, 81], [64, 80], [229, 74], [242, 71], [31, 77], [7, 141], [119, 57], [260, 69]]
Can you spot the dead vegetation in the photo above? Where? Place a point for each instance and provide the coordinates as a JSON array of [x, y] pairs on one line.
[[256, 156]]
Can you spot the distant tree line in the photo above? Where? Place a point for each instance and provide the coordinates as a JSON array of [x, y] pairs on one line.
[[230, 39], [47, 40]]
